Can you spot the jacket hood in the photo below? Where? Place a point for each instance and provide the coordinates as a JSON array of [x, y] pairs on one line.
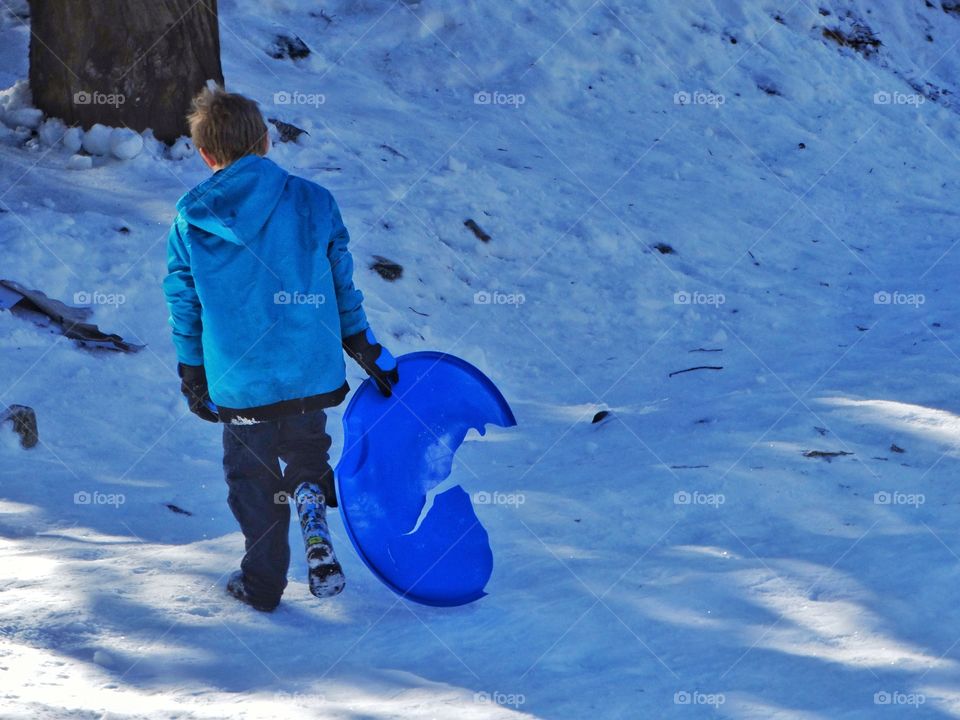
[[236, 202]]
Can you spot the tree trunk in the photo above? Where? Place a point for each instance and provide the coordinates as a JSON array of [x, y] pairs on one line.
[[133, 63]]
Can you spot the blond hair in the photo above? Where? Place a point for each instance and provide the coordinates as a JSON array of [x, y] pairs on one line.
[[226, 125]]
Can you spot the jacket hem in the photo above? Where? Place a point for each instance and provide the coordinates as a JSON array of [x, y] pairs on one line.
[[284, 408]]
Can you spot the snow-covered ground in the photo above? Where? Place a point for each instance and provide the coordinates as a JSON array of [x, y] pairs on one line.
[[692, 555]]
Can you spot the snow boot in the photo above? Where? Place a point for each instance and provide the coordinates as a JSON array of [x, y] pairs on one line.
[[236, 588], [324, 572]]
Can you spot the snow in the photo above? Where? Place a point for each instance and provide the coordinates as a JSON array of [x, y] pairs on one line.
[[181, 149], [52, 131], [24, 117], [72, 139], [80, 162], [125, 144], [681, 558], [97, 139]]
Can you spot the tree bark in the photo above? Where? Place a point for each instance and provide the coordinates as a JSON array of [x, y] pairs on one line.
[[133, 63]]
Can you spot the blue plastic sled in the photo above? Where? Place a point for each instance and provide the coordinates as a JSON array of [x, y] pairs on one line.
[[395, 451]]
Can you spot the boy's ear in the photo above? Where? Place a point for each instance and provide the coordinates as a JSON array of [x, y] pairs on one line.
[[208, 159], [266, 145]]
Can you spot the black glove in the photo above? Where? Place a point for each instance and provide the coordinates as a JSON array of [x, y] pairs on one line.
[[193, 385], [375, 359]]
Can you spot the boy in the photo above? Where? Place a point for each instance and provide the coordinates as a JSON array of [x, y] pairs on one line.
[[261, 298]]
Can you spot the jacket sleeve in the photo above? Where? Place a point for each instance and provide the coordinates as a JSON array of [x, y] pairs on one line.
[[182, 300], [349, 300]]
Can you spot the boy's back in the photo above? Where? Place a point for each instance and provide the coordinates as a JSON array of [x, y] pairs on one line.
[[267, 254]]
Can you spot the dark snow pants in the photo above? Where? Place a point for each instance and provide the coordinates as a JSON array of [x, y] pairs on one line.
[[258, 490]]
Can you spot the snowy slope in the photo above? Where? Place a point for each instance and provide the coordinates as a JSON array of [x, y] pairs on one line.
[[682, 558]]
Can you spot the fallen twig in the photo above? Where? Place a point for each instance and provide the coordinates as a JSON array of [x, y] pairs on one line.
[[698, 367], [825, 454], [477, 230], [24, 423]]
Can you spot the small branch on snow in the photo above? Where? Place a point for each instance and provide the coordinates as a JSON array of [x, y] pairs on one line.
[[698, 367], [24, 423], [477, 230], [825, 454]]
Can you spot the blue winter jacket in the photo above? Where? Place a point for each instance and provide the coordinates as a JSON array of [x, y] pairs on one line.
[[260, 287]]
